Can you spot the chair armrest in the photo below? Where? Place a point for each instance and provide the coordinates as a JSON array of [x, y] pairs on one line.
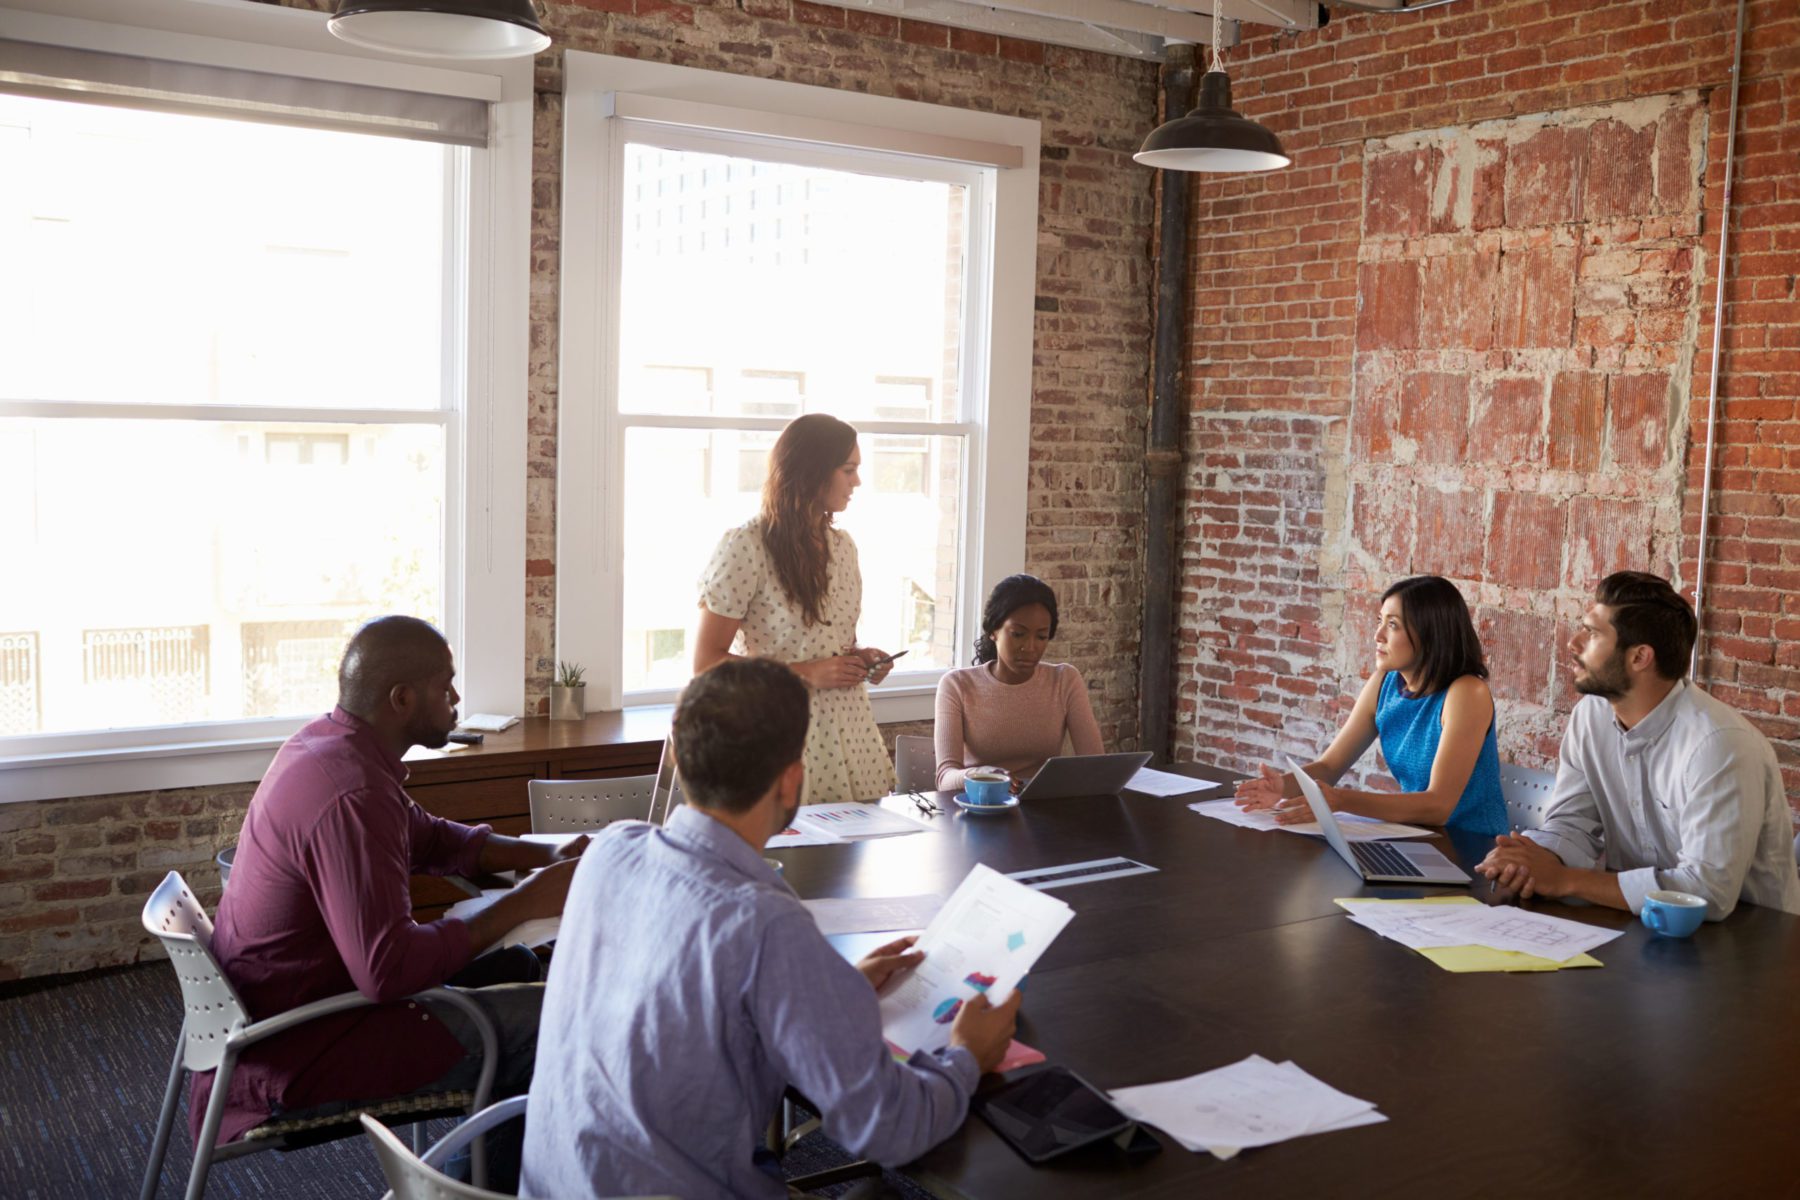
[[495, 1114], [256, 1031]]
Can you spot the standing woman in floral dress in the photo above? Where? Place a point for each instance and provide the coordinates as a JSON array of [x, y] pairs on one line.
[[786, 585]]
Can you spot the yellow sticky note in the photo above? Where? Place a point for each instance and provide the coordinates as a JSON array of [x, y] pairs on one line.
[[1484, 958]]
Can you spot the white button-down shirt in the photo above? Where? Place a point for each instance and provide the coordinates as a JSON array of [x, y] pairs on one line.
[[1689, 799]]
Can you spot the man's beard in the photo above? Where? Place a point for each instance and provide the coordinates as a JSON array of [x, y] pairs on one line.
[[1609, 681]]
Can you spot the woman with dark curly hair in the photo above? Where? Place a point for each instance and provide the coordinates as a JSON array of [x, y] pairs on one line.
[[1011, 709], [786, 585]]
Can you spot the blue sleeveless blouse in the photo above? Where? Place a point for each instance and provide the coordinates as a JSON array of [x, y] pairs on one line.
[[1410, 727]]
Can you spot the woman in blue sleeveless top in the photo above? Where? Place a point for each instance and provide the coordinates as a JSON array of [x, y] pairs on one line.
[[1428, 701]]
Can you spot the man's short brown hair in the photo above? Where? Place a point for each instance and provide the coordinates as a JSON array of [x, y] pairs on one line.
[[737, 727]]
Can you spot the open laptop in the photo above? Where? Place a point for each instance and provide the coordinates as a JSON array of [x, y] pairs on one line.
[[1084, 775], [1378, 862]]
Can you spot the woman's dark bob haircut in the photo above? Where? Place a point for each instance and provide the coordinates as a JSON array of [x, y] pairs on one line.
[[1437, 620]]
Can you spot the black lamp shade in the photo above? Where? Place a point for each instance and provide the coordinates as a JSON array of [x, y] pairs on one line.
[[466, 29], [1213, 137]]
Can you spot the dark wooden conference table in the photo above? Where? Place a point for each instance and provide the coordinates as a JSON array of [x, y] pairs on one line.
[[1673, 1069]]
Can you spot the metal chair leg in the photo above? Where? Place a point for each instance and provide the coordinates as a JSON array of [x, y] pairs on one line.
[[165, 1122]]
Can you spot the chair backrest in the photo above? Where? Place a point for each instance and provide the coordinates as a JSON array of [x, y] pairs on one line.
[[212, 1008], [915, 763], [412, 1179], [1527, 794], [580, 805], [665, 796], [225, 859]]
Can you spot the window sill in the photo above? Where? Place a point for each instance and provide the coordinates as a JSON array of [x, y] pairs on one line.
[[109, 771]]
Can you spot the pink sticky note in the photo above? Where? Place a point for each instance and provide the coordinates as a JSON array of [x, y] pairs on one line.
[[1018, 1055]]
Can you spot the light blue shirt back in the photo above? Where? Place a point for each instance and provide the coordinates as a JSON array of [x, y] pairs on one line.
[[689, 987], [1410, 728]]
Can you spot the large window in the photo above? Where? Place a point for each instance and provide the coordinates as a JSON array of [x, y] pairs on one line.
[[165, 263], [753, 277], [244, 353]]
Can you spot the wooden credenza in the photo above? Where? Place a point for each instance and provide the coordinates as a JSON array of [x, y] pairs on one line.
[[485, 784]]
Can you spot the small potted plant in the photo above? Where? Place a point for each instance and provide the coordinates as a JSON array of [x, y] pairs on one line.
[[568, 693]]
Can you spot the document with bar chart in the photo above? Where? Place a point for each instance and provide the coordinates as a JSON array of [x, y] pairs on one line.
[[982, 942]]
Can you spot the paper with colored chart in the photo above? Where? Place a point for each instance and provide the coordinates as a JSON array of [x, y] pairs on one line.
[[849, 821], [984, 940]]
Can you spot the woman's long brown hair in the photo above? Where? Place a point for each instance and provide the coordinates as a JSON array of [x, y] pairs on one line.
[[806, 454]]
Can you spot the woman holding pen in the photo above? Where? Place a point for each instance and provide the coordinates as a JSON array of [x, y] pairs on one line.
[[786, 585], [1428, 701]]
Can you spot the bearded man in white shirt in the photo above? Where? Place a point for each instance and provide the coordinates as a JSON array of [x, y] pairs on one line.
[[1659, 785]]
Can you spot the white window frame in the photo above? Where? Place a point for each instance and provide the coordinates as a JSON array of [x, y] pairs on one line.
[[604, 99], [485, 440]]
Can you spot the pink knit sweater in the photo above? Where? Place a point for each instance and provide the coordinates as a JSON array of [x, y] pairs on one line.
[[982, 722]]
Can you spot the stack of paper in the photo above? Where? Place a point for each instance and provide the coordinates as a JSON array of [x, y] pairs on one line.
[[1353, 827], [1460, 933], [849, 821], [1251, 1103]]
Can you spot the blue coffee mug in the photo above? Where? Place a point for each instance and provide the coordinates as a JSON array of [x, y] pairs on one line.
[[987, 785], [1673, 914]]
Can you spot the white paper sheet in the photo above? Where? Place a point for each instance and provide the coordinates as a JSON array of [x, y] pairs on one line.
[[794, 836], [1250, 1103], [851, 821], [984, 939], [1424, 926], [529, 933], [882, 914], [1354, 828], [1162, 783]]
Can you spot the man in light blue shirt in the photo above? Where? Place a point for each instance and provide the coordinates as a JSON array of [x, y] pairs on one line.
[[1658, 786], [691, 987]]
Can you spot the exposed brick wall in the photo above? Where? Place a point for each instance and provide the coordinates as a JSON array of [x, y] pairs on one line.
[[71, 896], [1468, 332]]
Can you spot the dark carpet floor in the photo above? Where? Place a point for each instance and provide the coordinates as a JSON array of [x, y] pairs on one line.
[[83, 1061]]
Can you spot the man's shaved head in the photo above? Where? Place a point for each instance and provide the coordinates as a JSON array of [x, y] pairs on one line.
[[382, 655]]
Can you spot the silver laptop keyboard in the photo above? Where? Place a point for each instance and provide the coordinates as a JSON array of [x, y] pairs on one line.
[[1379, 858]]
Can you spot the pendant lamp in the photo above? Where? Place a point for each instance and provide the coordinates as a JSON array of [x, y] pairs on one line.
[[463, 29], [1213, 137]]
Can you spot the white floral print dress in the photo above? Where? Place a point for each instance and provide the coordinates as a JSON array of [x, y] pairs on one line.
[[845, 758]]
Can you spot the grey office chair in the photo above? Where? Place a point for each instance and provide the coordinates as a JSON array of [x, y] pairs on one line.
[[915, 763], [1527, 794], [216, 1028], [584, 805]]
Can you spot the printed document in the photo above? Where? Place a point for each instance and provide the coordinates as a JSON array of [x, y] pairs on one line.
[[849, 821], [1250, 1103], [1353, 827], [882, 914], [984, 939], [1432, 926], [1165, 783]]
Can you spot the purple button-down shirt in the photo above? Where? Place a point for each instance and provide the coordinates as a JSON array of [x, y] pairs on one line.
[[319, 904], [690, 985]]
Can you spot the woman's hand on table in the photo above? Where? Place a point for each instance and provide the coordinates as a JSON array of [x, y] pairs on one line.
[[837, 671], [1261, 791], [1298, 812]]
